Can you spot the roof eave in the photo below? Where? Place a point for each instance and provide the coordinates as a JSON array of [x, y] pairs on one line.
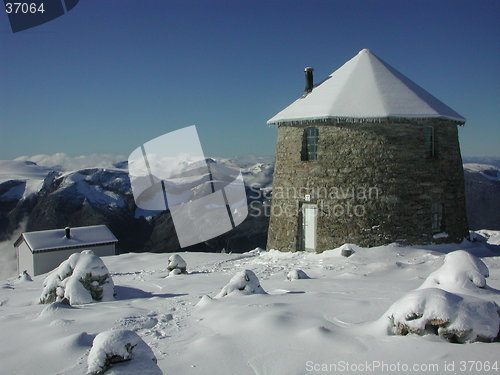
[[379, 119], [39, 250], [19, 241]]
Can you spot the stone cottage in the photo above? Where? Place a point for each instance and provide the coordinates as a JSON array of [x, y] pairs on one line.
[[366, 157]]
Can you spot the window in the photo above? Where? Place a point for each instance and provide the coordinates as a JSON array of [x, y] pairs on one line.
[[437, 217], [310, 144], [429, 147]]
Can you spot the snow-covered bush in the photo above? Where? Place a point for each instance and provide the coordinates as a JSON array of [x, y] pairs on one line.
[[82, 278], [461, 271], [244, 282], [121, 352], [176, 265], [457, 318], [296, 275]]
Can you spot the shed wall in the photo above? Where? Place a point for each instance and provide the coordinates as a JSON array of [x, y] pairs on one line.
[[46, 261], [24, 259]]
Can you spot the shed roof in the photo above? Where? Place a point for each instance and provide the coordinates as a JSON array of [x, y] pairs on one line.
[[49, 240], [366, 88]]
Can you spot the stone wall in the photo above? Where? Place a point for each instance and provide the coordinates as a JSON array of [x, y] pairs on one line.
[[372, 183]]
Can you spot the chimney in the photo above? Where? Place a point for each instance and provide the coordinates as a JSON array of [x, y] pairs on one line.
[[68, 232], [309, 80]]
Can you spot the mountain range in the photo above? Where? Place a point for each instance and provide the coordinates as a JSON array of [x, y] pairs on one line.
[[47, 198]]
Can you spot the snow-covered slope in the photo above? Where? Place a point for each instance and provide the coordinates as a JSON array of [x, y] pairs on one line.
[[298, 327], [29, 175], [482, 192], [489, 172]]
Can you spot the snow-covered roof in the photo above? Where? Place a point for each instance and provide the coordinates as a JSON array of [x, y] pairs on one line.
[[55, 239], [366, 88]]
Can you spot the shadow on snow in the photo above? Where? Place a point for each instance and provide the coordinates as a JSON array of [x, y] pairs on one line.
[[126, 292]]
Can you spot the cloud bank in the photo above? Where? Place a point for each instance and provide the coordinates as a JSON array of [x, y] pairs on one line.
[[8, 258], [69, 163]]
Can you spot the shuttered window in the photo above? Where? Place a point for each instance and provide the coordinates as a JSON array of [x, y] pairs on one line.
[[429, 143], [437, 217], [310, 144]]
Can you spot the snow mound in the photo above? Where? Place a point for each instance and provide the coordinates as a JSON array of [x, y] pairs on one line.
[[55, 309], [460, 272], [273, 254], [121, 352], [243, 283], [176, 264], [82, 278], [296, 275], [456, 318], [204, 301]]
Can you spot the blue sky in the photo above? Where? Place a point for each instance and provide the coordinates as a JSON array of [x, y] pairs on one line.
[[110, 75]]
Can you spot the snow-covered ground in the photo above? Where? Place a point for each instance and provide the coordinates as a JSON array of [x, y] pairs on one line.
[[333, 321]]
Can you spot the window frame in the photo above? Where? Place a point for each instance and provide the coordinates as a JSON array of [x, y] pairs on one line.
[[437, 217], [429, 142], [310, 140]]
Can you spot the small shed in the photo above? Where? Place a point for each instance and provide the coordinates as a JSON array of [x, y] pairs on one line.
[[42, 251]]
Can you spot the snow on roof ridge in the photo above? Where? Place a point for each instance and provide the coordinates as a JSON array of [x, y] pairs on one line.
[[429, 99], [55, 238], [366, 87]]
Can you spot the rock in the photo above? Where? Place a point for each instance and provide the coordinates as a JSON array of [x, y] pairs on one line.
[[296, 275], [177, 264], [243, 283], [25, 276], [175, 272], [121, 352], [347, 252]]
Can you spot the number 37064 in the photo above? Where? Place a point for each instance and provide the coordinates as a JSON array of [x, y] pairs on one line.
[[24, 8]]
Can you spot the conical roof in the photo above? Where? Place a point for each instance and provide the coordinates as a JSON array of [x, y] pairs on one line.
[[366, 88]]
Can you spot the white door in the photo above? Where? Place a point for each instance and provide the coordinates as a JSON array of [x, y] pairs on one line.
[[309, 214]]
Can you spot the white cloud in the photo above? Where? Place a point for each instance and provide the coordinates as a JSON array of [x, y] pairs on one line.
[[8, 259], [68, 163]]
